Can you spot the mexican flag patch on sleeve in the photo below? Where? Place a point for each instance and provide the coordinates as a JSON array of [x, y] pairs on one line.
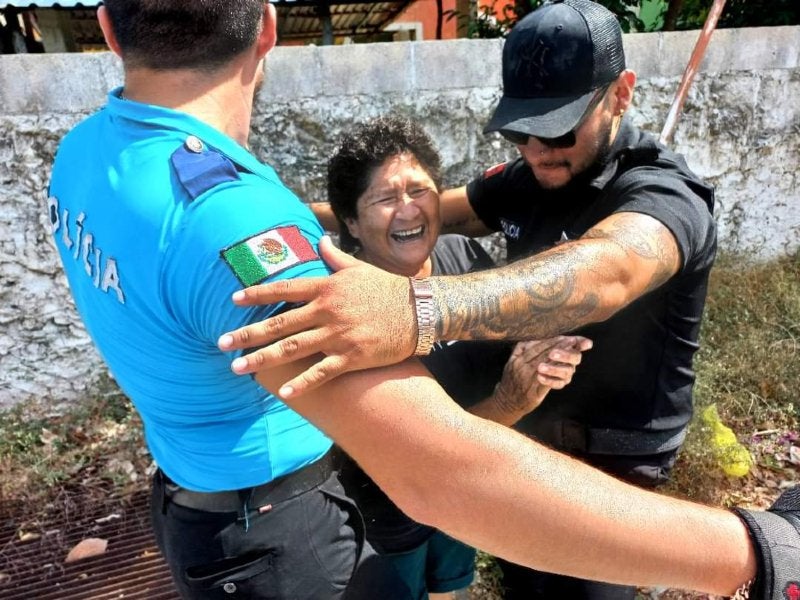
[[267, 253]]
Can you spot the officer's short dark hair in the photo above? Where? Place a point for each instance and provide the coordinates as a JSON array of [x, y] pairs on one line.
[[184, 34], [366, 148]]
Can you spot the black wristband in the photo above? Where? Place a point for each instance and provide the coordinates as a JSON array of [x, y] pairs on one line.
[[775, 535]]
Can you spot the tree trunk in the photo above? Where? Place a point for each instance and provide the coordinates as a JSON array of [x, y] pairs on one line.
[[522, 8], [674, 8], [465, 11]]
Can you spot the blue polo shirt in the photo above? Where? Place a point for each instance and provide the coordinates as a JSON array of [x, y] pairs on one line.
[[158, 219]]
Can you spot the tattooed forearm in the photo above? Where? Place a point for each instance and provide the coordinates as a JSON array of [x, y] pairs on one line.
[[564, 288], [647, 239], [536, 297]]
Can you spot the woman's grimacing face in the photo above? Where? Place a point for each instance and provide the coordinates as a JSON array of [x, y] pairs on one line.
[[398, 220]]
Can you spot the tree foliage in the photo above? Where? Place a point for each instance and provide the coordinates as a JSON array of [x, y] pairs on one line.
[[490, 22], [740, 13]]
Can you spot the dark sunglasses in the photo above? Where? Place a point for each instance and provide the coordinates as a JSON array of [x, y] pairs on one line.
[[563, 141]]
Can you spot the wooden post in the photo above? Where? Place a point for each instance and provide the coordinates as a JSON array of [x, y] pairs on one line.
[[466, 9], [324, 15], [691, 68]]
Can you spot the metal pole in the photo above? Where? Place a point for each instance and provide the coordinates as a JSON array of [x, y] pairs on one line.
[[324, 14], [691, 68]]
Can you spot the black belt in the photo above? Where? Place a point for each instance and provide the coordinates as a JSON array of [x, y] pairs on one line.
[[573, 436], [278, 490]]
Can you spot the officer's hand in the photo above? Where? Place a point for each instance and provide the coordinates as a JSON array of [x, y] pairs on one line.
[[359, 317]]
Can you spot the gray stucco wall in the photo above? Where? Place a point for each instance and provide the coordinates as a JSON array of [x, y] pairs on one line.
[[740, 130]]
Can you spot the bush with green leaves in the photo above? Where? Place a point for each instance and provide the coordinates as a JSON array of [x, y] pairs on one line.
[[675, 14]]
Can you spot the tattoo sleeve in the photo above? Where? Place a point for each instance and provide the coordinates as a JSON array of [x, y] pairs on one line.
[[563, 288], [649, 241]]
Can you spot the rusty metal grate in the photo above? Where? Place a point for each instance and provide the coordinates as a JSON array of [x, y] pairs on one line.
[[32, 555]]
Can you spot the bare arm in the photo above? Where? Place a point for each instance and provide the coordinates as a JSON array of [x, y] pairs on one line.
[[325, 216], [525, 503], [457, 214], [362, 317], [533, 369]]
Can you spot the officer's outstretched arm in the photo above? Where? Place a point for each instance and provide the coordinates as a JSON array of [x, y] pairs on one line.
[[457, 214], [501, 492], [579, 282], [325, 216]]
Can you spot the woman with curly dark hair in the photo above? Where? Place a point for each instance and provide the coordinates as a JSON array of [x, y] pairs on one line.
[[383, 183]]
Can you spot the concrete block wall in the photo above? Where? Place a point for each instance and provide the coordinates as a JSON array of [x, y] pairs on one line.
[[740, 130]]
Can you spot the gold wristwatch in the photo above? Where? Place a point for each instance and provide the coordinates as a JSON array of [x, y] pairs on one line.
[[423, 305]]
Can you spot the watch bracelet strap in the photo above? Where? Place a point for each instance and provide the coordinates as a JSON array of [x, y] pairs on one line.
[[422, 293]]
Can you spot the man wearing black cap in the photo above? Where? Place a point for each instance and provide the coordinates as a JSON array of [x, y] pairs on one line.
[[609, 234], [585, 173]]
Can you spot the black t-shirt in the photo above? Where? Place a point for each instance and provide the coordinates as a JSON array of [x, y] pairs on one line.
[[468, 371], [639, 374]]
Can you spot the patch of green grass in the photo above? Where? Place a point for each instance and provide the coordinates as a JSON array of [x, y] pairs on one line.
[[749, 366], [488, 583], [749, 359]]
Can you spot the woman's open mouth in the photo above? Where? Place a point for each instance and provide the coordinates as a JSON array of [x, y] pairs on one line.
[[408, 235]]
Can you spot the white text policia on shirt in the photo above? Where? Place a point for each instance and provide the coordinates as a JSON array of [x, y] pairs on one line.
[[83, 248]]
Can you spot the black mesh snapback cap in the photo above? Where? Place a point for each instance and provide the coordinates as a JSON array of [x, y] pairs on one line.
[[553, 60]]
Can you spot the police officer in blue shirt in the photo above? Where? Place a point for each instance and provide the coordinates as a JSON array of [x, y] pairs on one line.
[[159, 213]]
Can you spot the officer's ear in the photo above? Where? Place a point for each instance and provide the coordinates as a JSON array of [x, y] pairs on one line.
[[108, 30], [623, 91], [269, 30]]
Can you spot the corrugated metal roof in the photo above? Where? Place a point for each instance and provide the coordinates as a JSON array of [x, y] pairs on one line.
[[297, 19], [301, 19], [71, 3]]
